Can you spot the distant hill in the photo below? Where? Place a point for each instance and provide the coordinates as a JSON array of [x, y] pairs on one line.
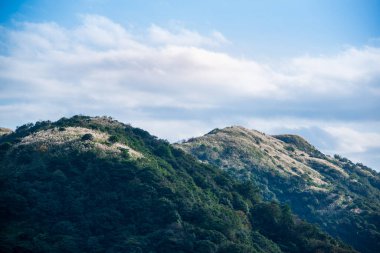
[[96, 185], [340, 196]]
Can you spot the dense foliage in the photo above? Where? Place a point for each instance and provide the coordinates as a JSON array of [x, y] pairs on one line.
[[348, 207], [60, 199]]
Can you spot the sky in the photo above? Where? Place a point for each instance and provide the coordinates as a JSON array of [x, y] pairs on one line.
[[181, 68]]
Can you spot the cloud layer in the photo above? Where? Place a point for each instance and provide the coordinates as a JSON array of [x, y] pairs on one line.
[[179, 83]]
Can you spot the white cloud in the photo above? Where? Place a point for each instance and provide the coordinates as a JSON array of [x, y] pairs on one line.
[[346, 72], [98, 52], [181, 78], [185, 37], [353, 141]]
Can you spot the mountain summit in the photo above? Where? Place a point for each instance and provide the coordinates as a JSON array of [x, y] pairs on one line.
[[340, 196]]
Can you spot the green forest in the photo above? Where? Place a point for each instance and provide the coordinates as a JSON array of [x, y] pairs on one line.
[[81, 194]]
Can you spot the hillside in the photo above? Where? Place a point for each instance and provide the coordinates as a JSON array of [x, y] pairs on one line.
[[343, 198], [96, 185]]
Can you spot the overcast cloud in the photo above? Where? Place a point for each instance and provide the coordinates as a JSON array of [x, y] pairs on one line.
[[180, 83]]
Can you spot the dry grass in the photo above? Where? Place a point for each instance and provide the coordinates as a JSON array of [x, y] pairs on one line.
[[72, 137], [253, 148], [4, 131]]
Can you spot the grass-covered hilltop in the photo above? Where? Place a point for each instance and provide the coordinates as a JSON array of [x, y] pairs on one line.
[[343, 198], [96, 185]]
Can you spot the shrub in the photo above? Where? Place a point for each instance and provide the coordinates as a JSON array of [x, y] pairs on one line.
[[290, 148], [113, 139], [87, 137]]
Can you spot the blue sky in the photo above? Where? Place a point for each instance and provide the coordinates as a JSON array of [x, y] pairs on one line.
[[273, 28], [181, 68]]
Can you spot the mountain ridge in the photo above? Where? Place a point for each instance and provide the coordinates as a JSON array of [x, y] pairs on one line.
[[93, 184], [341, 196]]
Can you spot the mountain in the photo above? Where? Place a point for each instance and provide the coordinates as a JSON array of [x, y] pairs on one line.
[[92, 184], [343, 198]]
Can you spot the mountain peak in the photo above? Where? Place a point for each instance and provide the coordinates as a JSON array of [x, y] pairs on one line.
[[232, 129], [239, 133], [238, 147], [4, 131]]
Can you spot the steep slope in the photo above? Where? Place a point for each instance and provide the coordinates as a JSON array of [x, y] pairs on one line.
[[342, 197], [96, 185]]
